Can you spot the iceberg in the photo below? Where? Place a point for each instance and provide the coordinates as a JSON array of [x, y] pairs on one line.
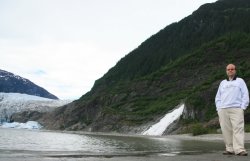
[[17, 125]]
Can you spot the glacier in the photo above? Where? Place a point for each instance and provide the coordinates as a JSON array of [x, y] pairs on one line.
[[11, 103], [17, 125], [159, 128]]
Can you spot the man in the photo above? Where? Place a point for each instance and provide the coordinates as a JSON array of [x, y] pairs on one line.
[[231, 100]]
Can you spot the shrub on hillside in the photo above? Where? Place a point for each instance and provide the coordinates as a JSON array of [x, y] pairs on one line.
[[198, 129]]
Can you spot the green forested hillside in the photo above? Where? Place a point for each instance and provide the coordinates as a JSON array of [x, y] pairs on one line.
[[209, 22], [183, 63]]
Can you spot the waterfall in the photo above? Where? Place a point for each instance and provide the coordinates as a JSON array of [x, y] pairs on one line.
[[161, 126]]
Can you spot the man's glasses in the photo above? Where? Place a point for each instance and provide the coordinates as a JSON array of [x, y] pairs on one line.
[[230, 69]]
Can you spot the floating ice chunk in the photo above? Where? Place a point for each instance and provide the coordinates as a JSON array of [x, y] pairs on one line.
[[27, 125]]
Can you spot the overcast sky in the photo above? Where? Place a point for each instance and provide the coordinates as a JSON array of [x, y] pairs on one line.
[[65, 45]]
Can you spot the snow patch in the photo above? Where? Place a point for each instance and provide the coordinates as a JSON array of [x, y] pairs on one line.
[[159, 128]]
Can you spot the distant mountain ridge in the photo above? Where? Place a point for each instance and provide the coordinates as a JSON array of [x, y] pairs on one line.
[[11, 83]]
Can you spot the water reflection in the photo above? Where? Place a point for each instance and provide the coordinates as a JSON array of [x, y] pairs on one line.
[[153, 145], [49, 143]]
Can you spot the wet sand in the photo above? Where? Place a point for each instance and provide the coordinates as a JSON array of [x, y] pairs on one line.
[[217, 156], [192, 156]]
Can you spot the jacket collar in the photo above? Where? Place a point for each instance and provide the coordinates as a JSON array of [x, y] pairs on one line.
[[233, 78]]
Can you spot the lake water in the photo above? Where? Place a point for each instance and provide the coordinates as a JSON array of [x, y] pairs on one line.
[[32, 143]]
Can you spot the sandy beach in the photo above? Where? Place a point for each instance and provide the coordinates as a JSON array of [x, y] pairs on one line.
[[192, 156]]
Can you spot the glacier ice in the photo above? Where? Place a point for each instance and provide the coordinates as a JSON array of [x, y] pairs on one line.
[[17, 125], [11, 103]]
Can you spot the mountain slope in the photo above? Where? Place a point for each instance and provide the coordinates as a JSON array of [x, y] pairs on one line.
[[183, 63], [209, 22], [11, 83]]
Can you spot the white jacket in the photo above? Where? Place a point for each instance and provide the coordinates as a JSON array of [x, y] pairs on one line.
[[232, 94]]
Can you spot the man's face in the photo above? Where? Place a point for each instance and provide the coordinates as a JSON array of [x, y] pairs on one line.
[[230, 70]]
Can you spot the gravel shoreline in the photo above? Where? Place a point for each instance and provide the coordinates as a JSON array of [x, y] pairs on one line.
[[217, 156]]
